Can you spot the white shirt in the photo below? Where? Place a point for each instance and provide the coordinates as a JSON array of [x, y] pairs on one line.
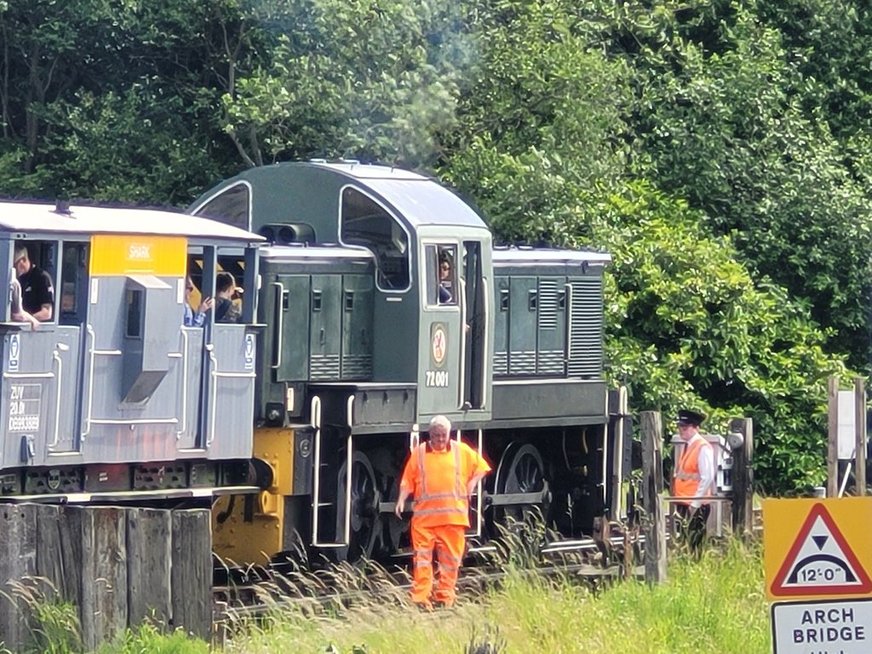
[[706, 472]]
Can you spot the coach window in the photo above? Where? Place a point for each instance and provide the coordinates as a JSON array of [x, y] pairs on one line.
[[366, 223], [35, 264], [73, 289], [234, 311], [134, 314]]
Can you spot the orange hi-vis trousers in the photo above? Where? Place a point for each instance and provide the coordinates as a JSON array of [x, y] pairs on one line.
[[449, 543]]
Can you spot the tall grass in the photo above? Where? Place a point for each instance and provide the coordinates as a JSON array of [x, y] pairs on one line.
[[53, 624], [714, 604]]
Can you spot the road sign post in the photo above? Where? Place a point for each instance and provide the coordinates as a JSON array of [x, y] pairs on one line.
[[817, 554], [826, 627]]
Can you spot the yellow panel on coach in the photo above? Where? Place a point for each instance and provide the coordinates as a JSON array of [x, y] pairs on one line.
[[253, 541], [138, 254]]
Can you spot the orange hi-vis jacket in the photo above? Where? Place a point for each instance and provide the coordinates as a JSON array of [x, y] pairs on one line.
[[438, 481], [685, 483]]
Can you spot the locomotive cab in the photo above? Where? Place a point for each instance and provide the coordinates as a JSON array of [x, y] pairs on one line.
[[364, 340], [409, 356]]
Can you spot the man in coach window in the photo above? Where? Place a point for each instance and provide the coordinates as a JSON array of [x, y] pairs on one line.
[[37, 292]]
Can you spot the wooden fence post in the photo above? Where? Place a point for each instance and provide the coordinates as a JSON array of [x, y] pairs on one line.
[[148, 569], [833, 436], [50, 548], [102, 565], [191, 585], [652, 483], [743, 478], [17, 560], [860, 435]]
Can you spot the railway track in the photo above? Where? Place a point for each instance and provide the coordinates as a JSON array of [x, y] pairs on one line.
[[260, 591]]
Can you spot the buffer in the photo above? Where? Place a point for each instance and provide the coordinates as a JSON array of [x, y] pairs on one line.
[[820, 561]]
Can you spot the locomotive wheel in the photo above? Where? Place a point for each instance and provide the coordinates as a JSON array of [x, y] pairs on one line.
[[365, 522], [521, 470]]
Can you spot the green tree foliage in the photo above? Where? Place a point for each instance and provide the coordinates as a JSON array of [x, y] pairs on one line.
[[120, 100], [719, 149], [831, 43], [690, 326], [541, 122], [731, 133], [689, 322], [367, 79]]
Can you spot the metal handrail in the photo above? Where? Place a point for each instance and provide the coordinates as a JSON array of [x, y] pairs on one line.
[[92, 354], [462, 371], [56, 357], [181, 431], [484, 358], [315, 422], [213, 392], [280, 291]]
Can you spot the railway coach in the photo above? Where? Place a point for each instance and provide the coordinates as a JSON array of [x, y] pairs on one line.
[[114, 398]]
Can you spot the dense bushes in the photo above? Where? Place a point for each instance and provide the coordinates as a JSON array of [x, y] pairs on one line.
[[718, 149]]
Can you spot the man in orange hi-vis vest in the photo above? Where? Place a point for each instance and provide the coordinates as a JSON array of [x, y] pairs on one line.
[[441, 475], [694, 478]]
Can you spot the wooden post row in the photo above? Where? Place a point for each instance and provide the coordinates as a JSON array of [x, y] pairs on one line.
[[117, 566]]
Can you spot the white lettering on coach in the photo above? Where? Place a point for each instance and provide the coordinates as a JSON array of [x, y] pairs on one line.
[[24, 407], [139, 251]]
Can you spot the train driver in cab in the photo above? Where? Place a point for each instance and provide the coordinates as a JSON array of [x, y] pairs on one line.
[[446, 278], [37, 292]]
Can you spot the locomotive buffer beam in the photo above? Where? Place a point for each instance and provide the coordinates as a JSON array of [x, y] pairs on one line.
[[503, 499]]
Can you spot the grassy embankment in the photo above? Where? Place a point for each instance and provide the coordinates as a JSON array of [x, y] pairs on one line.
[[714, 605]]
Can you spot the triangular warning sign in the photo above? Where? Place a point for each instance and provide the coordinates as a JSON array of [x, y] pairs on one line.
[[821, 562]]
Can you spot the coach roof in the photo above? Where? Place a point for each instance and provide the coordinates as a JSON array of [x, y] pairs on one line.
[[45, 219]]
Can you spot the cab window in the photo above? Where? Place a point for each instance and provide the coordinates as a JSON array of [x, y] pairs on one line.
[[232, 206], [441, 274], [366, 223]]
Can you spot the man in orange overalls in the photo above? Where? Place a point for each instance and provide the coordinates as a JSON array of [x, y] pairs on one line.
[[441, 475], [694, 478]]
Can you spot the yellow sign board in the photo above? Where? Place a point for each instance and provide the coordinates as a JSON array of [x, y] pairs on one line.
[[817, 548], [129, 254]]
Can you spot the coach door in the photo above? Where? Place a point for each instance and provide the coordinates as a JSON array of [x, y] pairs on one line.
[[230, 355], [71, 303]]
